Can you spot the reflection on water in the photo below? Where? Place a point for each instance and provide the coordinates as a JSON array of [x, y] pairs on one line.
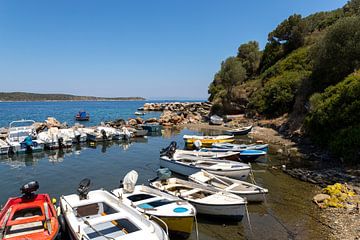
[[287, 213]]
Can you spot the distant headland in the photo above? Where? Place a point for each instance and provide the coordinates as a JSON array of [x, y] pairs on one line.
[[29, 97]]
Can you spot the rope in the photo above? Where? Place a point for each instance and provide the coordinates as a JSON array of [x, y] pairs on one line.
[[196, 228], [160, 220], [248, 218]]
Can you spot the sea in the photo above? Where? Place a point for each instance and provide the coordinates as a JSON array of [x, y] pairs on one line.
[[286, 213]]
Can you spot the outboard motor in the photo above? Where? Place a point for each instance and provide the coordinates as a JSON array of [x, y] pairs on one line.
[[162, 175], [169, 151], [28, 142], [61, 142], [29, 189], [83, 188], [103, 133]]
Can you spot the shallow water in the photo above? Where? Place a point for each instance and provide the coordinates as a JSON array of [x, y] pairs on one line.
[[287, 213]]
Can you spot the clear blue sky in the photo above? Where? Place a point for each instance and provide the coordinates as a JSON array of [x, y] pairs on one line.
[[150, 48]]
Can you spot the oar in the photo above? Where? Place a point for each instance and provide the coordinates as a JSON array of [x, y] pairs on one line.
[[211, 175]]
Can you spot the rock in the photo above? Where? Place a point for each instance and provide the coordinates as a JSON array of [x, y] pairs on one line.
[[139, 120], [132, 122], [319, 198], [52, 122], [151, 120]]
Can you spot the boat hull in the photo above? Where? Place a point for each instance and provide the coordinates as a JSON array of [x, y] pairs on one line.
[[180, 227], [186, 170], [231, 211], [207, 142]]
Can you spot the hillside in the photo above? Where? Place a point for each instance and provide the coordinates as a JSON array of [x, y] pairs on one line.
[[24, 96], [308, 73]]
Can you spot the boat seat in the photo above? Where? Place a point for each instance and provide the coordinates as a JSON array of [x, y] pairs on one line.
[[190, 192], [24, 229], [88, 210], [232, 186]]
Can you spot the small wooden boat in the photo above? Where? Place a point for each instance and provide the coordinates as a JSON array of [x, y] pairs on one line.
[[216, 120], [207, 140], [31, 216], [82, 116], [251, 155], [4, 148], [179, 154], [240, 131], [239, 147], [206, 200], [151, 127], [176, 213], [139, 113], [190, 165], [250, 192], [99, 215]]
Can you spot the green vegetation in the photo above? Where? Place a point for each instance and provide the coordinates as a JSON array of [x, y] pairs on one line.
[[309, 69], [23, 96]]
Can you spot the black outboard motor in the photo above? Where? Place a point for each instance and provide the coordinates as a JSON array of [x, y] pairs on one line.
[[29, 189], [83, 188], [61, 142], [169, 151], [103, 133]]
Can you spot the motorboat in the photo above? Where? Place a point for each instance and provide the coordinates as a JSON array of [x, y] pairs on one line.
[[82, 116], [22, 137], [50, 138], [206, 200], [176, 213], [99, 214], [249, 191], [31, 216], [216, 120]]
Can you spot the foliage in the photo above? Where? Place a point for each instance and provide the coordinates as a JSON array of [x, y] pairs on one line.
[[334, 115], [249, 55], [321, 20], [278, 95], [352, 8], [337, 55]]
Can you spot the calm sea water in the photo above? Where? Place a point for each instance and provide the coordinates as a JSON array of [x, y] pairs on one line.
[[286, 214]]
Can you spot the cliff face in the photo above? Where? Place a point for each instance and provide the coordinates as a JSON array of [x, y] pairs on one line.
[[23, 96], [308, 72]]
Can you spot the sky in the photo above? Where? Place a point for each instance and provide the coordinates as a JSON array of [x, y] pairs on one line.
[[158, 49]]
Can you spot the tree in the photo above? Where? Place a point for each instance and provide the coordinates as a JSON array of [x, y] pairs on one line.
[[337, 54], [249, 55]]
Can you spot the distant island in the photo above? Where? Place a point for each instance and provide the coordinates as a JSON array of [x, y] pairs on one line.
[[28, 97]]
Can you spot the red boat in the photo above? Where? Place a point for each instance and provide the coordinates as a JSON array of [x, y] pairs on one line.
[[32, 216]]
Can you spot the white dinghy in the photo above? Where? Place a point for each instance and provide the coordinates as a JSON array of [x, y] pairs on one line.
[[208, 201], [209, 154], [99, 215], [176, 213], [251, 192]]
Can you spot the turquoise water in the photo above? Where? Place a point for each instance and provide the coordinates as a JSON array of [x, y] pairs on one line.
[[287, 213]]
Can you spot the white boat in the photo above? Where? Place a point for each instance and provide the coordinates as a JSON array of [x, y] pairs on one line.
[[240, 131], [22, 137], [179, 154], [216, 120], [112, 133], [66, 137], [238, 147], [50, 138], [191, 165], [176, 213], [4, 147], [208, 201], [139, 113], [100, 215], [80, 135], [250, 192]]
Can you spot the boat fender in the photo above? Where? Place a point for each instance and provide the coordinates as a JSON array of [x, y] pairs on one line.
[[62, 223]]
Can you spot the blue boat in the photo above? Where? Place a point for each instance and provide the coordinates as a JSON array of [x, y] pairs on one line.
[[82, 116], [251, 155]]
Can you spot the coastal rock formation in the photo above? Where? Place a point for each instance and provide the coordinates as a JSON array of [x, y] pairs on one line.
[[201, 107]]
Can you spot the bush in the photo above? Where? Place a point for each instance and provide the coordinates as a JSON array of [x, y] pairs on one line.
[[333, 115], [278, 95]]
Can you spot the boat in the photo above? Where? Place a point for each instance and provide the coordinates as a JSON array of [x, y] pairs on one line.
[[50, 138], [251, 192], [207, 140], [113, 133], [98, 214], [176, 213], [151, 127], [251, 155], [190, 165], [206, 200], [94, 135], [240, 131], [4, 147], [239, 147], [82, 116], [216, 120], [31, 216], [179, 154], [139, 113], [22, 137]]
